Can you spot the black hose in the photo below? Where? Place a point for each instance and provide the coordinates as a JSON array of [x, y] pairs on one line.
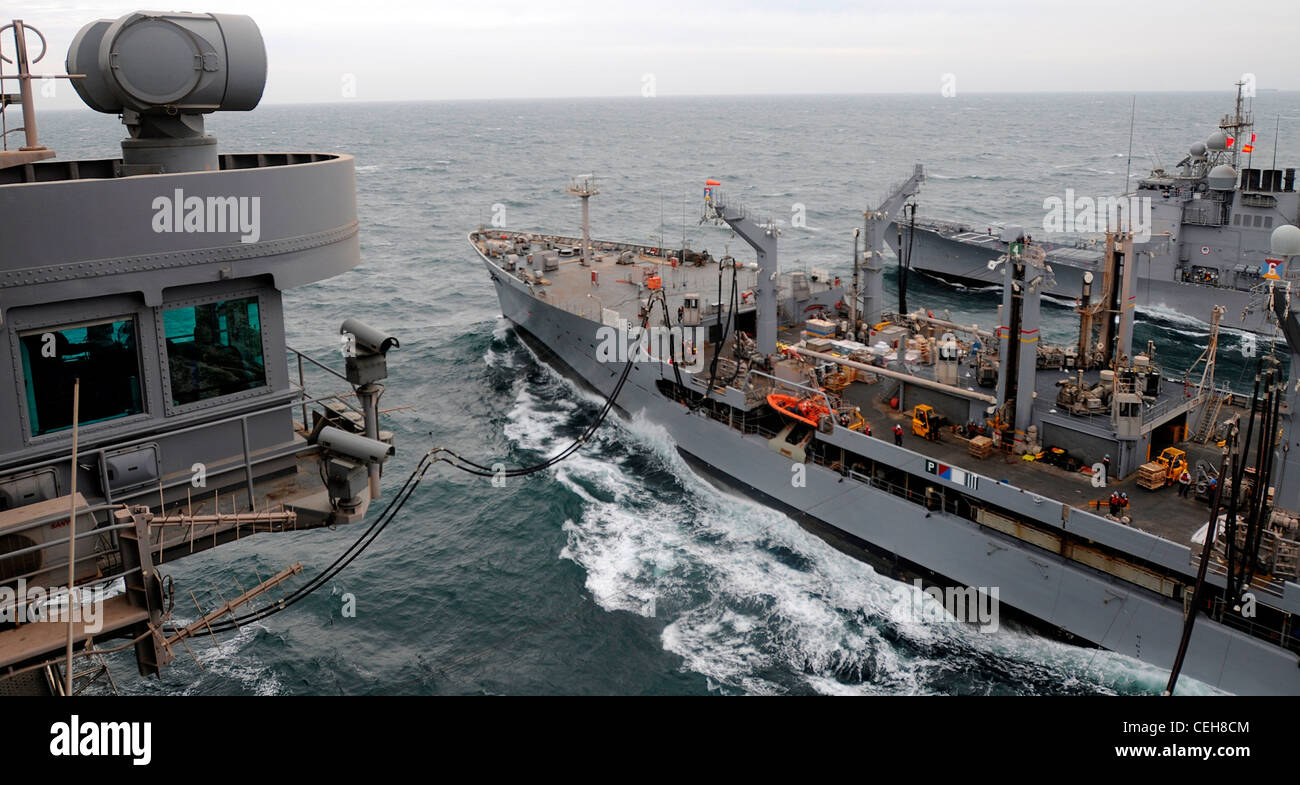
[[1206, 551], [1255, 534], [1238, 475], [347, 557], [726, 329], [404, 493], [470, 467]]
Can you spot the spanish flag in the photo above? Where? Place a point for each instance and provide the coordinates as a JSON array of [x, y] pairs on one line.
[[1249, 147]]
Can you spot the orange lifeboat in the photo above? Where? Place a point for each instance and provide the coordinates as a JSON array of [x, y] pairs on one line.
[[805, 410]]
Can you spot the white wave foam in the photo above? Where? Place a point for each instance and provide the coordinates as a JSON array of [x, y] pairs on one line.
[[491, 356], [232, 659], [533, 426], [1061, 301], [749, 599], [494, 359], [502, 329]]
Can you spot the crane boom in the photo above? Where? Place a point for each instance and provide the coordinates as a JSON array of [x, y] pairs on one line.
[[874, 223]]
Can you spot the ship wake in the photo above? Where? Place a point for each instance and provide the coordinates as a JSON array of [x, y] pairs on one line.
[[752, 601]]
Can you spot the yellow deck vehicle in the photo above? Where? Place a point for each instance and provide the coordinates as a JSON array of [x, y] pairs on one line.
[[926, 422], [1164, 470]]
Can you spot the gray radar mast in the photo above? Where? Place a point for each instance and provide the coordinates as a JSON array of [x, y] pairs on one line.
[[584, 187]]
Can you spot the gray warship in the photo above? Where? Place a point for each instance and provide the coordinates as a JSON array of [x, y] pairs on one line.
[[149, 396], [940, 452], [1206, 242]]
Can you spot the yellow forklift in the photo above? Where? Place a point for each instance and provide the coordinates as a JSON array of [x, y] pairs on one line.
[[1164, 470], [926, 422]]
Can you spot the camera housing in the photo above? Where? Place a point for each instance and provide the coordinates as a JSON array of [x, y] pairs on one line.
[[164, 62], [353, 445], [368, 339], [162, 72], [367, 362]]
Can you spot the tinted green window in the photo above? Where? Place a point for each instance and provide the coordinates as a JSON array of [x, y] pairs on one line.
[[103, 355], [214, 349]]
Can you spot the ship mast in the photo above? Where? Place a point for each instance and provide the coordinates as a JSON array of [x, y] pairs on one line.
[[584, 187], [1237, 125]]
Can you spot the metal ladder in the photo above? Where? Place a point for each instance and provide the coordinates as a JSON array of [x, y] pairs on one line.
[[1209, 416]]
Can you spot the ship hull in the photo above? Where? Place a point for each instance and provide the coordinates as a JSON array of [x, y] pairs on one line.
[[1056, 594], [965, 265]]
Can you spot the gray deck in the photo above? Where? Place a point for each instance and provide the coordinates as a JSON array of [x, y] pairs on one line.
[[620, 287], [1162, 513]]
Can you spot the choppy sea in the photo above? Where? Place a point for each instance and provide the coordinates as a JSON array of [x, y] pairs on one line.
[[622, 570]]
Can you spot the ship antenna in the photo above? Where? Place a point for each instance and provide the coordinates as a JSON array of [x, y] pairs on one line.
[[1128, 166], [1277, 124], [1236, 122]]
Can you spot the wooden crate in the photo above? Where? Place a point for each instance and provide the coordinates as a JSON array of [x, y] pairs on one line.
[[1151, 475], [981, 447]]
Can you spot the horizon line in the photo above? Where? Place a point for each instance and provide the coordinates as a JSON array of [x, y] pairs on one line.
[[344, 101]]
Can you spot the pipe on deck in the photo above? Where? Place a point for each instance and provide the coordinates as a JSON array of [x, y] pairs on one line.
[[904, 377]]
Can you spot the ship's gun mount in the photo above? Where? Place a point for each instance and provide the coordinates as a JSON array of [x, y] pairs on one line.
[[162, 72]]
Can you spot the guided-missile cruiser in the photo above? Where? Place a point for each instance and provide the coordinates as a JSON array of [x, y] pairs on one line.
[[1201, 231]]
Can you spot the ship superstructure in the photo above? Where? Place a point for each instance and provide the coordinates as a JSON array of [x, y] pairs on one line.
[[959, 456], [1203, 231], [148, 392]]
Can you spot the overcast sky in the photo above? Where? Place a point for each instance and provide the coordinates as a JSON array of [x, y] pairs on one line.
[[385, 50]]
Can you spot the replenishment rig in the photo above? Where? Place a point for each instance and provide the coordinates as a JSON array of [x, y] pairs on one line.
[[940, 451]]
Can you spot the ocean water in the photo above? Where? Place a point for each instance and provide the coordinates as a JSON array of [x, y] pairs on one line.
[[621, 570]]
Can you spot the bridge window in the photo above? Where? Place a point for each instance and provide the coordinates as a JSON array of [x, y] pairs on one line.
[[214, 349], [103, 355]]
